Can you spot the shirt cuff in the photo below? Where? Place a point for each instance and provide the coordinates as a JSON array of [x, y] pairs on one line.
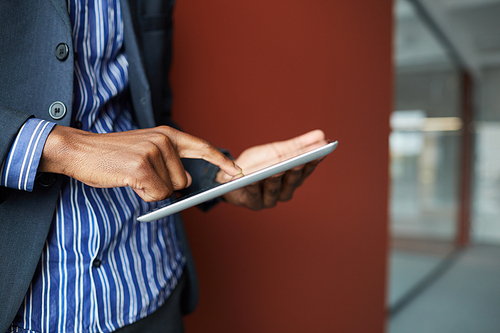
[[19, 169]]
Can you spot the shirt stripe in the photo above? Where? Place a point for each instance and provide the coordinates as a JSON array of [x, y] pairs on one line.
[[100, 268]]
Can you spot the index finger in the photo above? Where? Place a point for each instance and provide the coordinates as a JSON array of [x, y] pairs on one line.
[[189, 146]]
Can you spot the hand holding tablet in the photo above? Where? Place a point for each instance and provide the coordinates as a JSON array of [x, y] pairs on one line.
[[281, 187], [253, 173]]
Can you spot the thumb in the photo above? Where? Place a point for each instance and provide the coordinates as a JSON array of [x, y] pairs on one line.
[[315, 137], [299, 144]]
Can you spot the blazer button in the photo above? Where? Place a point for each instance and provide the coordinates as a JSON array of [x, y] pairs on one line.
[[62, 51], [57, 110], [46, 179]]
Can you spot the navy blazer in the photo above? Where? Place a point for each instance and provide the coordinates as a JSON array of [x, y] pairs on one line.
[[31, 79]]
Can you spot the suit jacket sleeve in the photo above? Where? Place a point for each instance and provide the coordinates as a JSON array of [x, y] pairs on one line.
[[11, 122]]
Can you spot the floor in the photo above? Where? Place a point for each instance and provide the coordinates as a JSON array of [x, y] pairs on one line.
[[463, 295]]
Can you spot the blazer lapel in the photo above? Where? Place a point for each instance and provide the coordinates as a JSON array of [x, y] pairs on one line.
[[139, 86], [62, 10]]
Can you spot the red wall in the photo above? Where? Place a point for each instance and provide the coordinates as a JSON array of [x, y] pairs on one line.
[[249, 72]]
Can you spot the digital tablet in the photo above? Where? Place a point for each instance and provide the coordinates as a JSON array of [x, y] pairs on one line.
[[217, 190]]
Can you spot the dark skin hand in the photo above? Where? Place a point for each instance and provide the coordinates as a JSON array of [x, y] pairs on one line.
[[267, 193], [147, 160]]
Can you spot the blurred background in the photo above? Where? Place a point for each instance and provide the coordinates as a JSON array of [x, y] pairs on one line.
[[398, 230], [445, 167]]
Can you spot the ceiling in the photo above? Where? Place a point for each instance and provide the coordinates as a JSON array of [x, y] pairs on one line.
[[471, 27]]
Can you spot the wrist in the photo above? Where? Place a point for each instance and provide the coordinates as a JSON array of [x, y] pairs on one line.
[[60, 149]]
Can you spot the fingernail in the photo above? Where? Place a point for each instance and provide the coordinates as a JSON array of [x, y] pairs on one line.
[[237, 176], [238, 167]]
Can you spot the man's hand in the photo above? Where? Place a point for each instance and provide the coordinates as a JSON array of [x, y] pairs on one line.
[[268, 192], [147, 160]]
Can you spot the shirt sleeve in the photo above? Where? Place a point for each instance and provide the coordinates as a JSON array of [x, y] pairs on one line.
[[19, 169]]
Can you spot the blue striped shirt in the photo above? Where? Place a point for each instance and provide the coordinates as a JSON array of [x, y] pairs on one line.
[[100, 269]]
